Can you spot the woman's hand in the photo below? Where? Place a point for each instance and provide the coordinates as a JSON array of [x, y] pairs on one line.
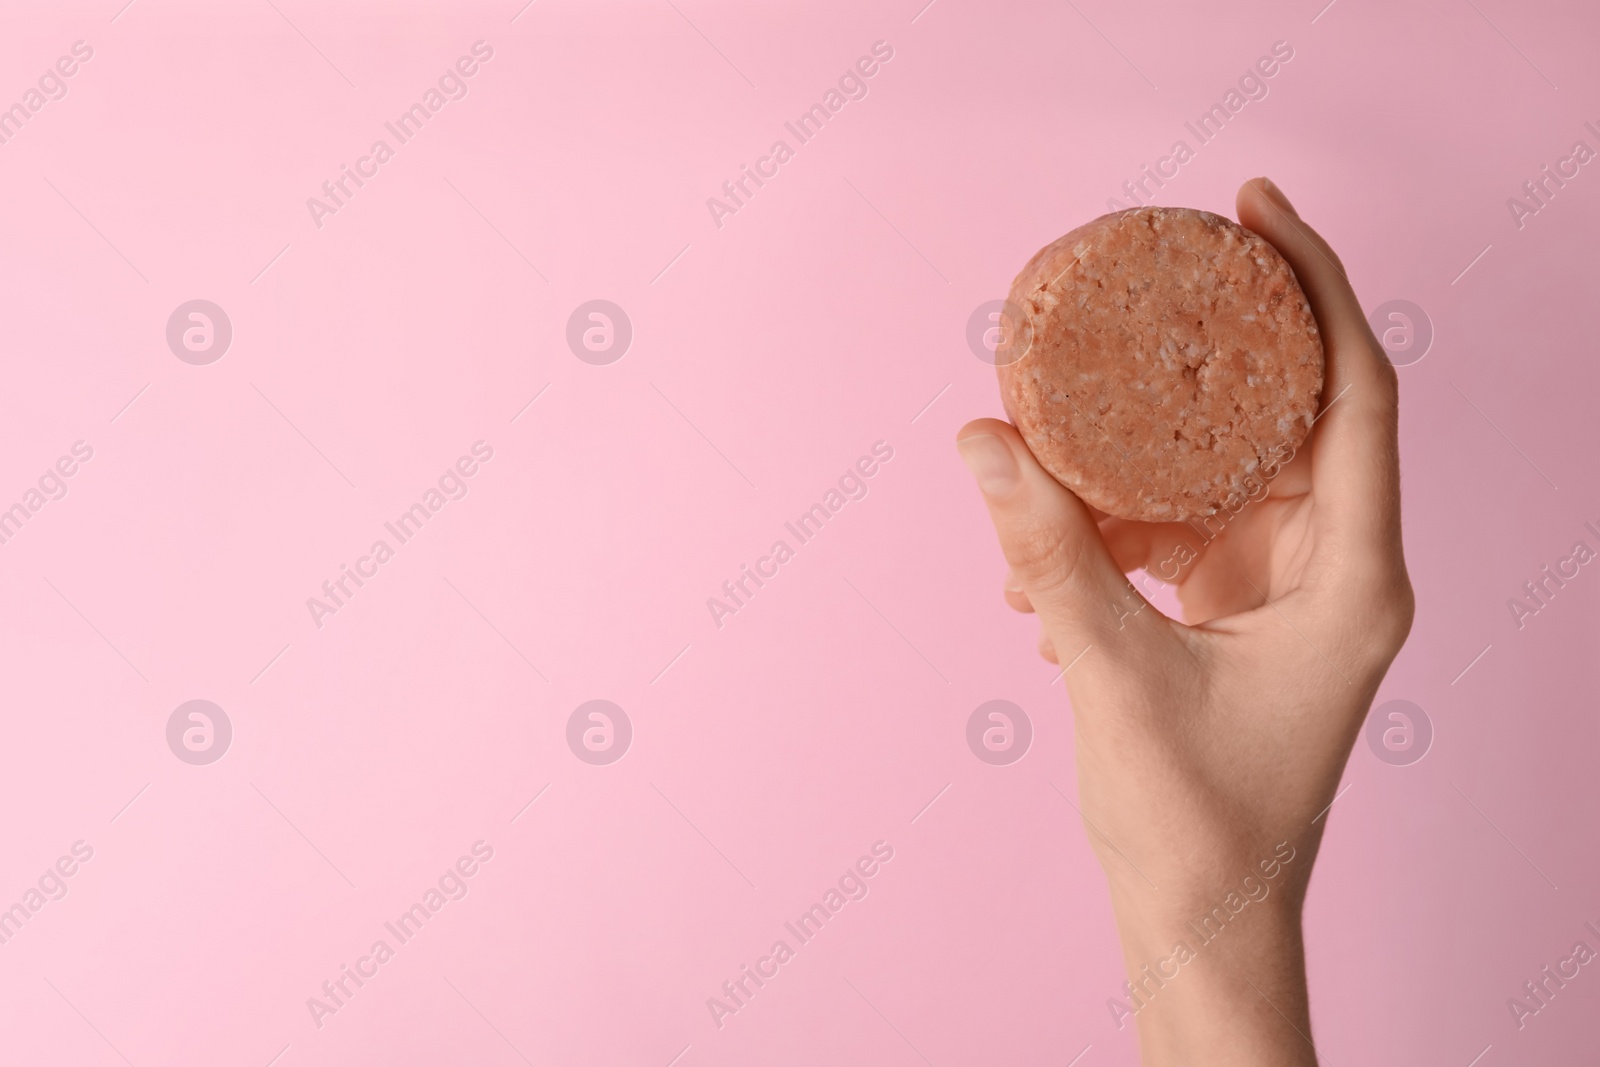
[[1209, 750]]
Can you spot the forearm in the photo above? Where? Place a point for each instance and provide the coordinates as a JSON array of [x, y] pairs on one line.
[[1211, 986]]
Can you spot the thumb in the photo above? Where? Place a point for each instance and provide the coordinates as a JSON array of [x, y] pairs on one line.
[[1051, 541]]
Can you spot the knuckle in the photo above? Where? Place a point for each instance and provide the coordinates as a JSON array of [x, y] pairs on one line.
[[1401, 613], [1388, 386], [1046, 558], [1385, 612], [1320, 245]]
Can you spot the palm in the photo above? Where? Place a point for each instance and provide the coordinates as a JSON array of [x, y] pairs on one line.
[[1261, 552]]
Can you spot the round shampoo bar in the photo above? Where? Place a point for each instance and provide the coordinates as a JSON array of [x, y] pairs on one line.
[[1160, 362]]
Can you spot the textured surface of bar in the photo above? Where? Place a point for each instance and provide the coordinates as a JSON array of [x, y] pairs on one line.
[[1157, 359]]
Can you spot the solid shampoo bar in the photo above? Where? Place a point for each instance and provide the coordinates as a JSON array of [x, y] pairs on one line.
[[1156, 359]]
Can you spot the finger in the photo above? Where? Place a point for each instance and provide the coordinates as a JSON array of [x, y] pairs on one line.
[[1050, 540], [1015, 597], [1047, 648], [1151, 546], [1355, 458]]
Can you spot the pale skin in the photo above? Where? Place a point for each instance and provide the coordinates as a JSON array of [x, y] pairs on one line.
[[1202, 745]]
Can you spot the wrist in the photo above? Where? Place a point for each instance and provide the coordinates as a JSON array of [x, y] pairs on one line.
[[1220, 887], [1216, 973]]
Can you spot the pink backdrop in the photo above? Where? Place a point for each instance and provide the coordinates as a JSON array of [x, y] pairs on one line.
[[373, 346]]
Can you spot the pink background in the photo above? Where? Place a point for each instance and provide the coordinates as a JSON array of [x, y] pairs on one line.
[[828, 314]]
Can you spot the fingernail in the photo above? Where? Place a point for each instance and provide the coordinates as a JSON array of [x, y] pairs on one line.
[[1276, 196], [990, 462]]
